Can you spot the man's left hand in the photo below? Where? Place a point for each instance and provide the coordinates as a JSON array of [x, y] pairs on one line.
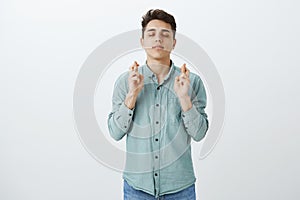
[[181, 88], [182, 82]]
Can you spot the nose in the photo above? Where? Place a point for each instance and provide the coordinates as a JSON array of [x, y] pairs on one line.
[[158, 38]]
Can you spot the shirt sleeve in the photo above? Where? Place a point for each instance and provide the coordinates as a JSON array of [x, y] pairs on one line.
[[195, 119], [120, 118]]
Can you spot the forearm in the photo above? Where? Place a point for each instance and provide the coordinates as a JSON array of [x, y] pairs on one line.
[[130, 100]]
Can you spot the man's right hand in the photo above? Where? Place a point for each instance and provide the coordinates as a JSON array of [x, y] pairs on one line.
[[135, 84], [135, 79]]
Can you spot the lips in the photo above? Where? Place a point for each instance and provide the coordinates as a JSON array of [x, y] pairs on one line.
[[157, 47]]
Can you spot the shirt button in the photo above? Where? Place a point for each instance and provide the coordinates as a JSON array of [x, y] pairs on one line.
[[158, 88], [125, 126], [130, 114], [157, 122], [157, 105], [155, 174], [183, 115], [156, 157], [156, 139]]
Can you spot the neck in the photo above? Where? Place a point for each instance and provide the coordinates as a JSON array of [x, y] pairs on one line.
[[159, 67]]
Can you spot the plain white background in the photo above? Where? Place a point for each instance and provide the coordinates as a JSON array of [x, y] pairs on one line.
[[254, 45]]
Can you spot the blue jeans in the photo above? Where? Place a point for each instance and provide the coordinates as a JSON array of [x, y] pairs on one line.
[[132, 194]]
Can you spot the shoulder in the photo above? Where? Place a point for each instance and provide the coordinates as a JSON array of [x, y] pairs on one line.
[[122, 79]]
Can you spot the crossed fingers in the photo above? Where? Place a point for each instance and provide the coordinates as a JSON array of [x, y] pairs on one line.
[[134, 74], [184, 76], [134, 67]]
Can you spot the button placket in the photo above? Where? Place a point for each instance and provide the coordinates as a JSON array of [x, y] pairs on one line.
[[157, 129], [157, 113]]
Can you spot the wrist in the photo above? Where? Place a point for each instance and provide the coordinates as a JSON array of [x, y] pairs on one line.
[[130, 100], [185, 102], [184, 98]]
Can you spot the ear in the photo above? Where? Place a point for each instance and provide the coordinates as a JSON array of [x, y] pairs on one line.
[[142, 42], [174, 43]]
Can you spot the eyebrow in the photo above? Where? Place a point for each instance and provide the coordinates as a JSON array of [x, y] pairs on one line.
[[153, 29], [165, 30]]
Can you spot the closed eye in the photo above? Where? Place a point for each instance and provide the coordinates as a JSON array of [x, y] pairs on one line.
[[166, 34]]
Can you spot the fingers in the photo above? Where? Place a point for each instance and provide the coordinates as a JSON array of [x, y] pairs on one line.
[[179, 80], [135, 77], [183, 68], [134, 67], [138, 78], [141, 79], [134, 74], [183, 78], [133, 71], [185, 72]]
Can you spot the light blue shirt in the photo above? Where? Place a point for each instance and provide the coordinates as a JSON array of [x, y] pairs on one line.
[[158, 133]]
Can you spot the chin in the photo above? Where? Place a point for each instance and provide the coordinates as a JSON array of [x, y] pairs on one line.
[[158, 55]]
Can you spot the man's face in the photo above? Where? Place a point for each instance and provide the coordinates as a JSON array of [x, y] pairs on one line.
[[158, 40]]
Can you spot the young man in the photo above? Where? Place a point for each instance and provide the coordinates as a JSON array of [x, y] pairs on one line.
[[159, 107]]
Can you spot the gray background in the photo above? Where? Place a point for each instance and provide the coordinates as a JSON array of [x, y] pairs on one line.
[[254, 45]]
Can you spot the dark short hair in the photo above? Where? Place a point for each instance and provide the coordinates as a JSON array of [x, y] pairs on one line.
[[160, 15]]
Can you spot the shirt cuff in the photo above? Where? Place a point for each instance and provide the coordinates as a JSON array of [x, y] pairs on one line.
[[190, 115], [124, 117]]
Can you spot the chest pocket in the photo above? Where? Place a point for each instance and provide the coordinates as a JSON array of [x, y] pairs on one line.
[[174, 109]]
